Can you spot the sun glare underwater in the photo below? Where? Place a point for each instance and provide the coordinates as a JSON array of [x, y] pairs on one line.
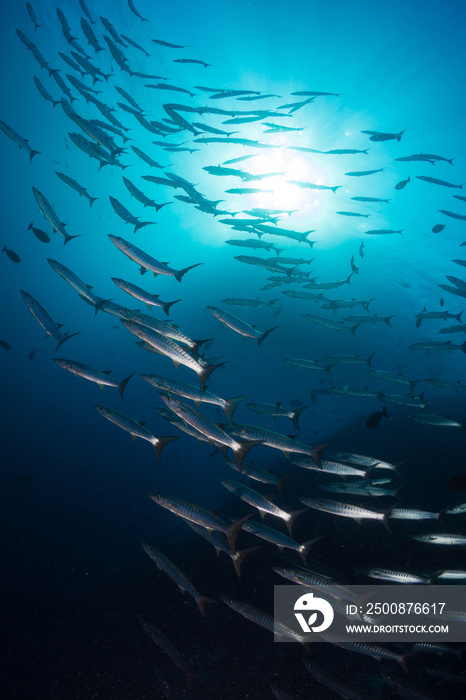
[[232, 232]]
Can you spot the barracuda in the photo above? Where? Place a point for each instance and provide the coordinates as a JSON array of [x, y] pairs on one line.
[[179, 423], [148, 299], [167, 329], [260, 618], [48, 324], [263, 504], [191, 392], [359, 489], [261, 475], [84, 290], [22, 143], [396, 576], [221, 545], [135, 429], [93, 375], [51, 216], [334, 468], [212, 432], [364, 461], [239, 326], [413, 514], [279, 539], [181, 580], [441, 538], [170, 349], [162, 641], [278, 441], [346, 510], [146, 261], [270, 409], [205, 518], [307, 578]]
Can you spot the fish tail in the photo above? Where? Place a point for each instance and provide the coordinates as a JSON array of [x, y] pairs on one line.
[[240, 556], [317, 453], [403, 661], [32, 154], [140, 224], [272, 302], [202, 601], [161, 442], [70, 238], [123, 383], [202, 341], [233, 530], [458, 317], [282, 481], [92, 200], [206, 372], [292, 518], [230, 406], [463, 347], [387, 319], [398, 136], [244, 446], [296, 416], [386, 516], [305, 547], [264, 335], [66, 337], [179, 275], [98, 304], [328, 368], [168, 304], [369, 359]]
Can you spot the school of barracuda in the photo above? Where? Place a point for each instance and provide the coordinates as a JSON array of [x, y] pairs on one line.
[[101, 54]]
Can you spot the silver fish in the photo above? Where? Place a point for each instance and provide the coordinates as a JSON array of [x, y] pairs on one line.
[[181, 580], [93, 375], [45, 320], [135, 428]]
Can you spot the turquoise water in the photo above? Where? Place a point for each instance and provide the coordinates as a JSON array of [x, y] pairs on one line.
[[75, 485]]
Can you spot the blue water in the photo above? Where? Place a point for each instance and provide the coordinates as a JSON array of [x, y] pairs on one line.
[[75, 486]]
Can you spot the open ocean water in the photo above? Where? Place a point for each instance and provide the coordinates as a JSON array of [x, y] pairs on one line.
[[341, 127]]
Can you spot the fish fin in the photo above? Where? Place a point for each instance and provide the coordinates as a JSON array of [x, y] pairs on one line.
[[245, 446], [180, 273], [264, 335], [233, 530], [240, 556], [70, 335], [293, 516], [296, 415], [161, 442], [231, 405], [305, 547], [123, 383], [282, 480], [202, 601]]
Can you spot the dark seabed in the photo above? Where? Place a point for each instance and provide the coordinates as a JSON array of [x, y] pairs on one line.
[[323, 146]]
